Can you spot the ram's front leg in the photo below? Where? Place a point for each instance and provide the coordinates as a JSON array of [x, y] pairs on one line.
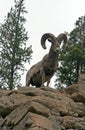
[[43, 79]]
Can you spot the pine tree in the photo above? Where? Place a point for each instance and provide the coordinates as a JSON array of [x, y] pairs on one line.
[[67, 72], [73, 58], [13, 50], [77, 36]]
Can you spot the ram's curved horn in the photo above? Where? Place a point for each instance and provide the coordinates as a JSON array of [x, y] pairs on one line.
[[62, 37], [48, 36]]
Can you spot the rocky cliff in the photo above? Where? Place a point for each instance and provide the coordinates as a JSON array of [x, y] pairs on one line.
[[43, 109]]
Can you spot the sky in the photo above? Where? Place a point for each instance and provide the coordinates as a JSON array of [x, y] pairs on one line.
[[53, 16]]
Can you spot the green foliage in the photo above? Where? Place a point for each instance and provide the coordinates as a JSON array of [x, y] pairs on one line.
[[13, 50], [72, 60], [67, 72]]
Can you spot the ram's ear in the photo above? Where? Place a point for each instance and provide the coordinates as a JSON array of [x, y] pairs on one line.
[[50, 40]]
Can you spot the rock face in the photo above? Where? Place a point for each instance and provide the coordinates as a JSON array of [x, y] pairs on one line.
[[43, 109]]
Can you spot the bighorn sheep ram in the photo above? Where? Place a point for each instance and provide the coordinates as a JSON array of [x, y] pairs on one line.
[[44, 70]]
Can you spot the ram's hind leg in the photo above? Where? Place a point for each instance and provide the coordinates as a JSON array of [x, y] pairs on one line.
[[48, 82], [27, 81]]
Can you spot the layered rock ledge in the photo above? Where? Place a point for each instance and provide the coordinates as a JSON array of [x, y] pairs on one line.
[[30, 108]]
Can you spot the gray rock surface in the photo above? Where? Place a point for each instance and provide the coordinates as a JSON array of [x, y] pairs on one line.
[[30, 108]]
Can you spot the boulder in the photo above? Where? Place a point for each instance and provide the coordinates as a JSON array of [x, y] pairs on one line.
[[43, 108]]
